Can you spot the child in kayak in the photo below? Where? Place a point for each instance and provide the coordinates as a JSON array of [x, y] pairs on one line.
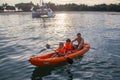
[[80, 41], [60, 51], [68, 46]]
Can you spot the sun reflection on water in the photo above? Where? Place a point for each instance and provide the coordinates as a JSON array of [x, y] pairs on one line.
[[62, 19], [62, 23]]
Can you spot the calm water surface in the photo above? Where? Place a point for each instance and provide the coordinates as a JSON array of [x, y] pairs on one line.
[[22, 37]]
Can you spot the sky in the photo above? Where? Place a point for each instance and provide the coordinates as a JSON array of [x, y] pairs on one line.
[[88, 2]]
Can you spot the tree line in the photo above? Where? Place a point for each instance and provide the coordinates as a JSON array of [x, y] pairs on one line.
[[26, 7]]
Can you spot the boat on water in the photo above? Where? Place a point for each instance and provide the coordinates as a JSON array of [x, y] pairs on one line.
[[43, 11], [47, 59]]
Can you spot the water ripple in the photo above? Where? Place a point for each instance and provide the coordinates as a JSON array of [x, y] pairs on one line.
[[24, 37]]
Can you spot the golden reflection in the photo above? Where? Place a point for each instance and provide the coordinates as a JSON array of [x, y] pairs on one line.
[[62, 22], [61, 27], [61, 19]]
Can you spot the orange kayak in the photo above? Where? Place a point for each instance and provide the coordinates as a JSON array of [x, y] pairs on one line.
[[47, 59]]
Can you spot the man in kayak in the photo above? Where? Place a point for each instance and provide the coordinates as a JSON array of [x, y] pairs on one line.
[[80, 41]]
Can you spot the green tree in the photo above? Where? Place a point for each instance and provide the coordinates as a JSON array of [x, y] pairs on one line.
[[10, 8], [51, 5], [24, 6], [1, 8]]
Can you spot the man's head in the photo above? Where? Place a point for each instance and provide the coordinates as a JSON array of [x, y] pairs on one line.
[[79, 34]]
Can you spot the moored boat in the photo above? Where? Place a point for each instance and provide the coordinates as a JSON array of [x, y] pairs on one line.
[[47, 59], [43, 11]]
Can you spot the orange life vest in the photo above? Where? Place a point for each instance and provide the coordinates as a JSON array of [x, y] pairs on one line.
[[68, 47], [61, 50]]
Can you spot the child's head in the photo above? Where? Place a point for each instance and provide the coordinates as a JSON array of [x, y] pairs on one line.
[[68, 40], [61, 44]]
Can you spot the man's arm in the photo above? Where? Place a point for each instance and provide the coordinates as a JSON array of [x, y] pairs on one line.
[[74, 40], [81, 44]]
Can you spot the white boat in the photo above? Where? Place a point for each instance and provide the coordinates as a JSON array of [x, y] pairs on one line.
[[43, 12]]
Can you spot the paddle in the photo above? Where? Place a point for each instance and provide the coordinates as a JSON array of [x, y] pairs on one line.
[[42, 50], [69, 60], [92, 48], [39, 51], [47, 46]]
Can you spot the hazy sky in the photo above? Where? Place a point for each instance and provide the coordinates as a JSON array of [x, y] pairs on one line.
[[88, 2]]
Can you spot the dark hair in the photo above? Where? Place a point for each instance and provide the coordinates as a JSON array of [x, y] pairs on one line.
[[78, 33], [61, 43], [68, 40]]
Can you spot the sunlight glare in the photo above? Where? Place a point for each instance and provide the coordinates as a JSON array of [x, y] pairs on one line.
[[62, 19]]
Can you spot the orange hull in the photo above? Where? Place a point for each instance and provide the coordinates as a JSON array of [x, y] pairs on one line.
[[46, 60]]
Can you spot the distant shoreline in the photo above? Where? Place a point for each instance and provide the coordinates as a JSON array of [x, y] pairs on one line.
[[65, 7], [112, 12]]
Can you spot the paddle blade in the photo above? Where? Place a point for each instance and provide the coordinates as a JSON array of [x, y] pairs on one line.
[[70, 61], [47, 46]]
